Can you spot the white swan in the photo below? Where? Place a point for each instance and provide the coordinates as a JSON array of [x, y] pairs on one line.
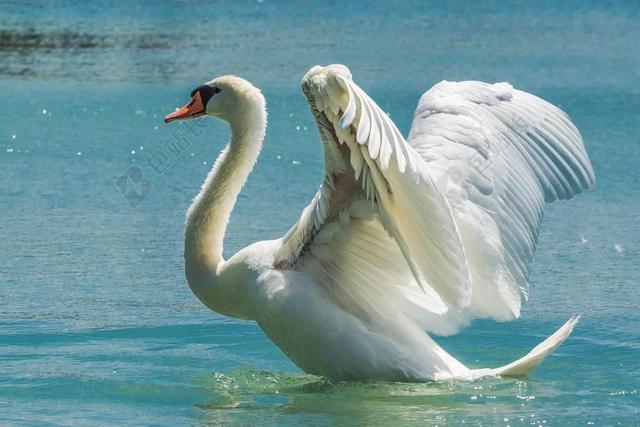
[[402, 237]]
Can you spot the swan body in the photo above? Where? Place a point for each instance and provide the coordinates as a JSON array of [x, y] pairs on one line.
[[404, 237]]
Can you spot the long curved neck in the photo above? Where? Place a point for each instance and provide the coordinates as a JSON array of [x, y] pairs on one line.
[[209, 213]]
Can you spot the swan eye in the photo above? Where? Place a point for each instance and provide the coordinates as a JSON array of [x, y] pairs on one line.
[[206, 92]]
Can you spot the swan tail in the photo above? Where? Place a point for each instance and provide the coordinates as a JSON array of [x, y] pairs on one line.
[[526, 364]]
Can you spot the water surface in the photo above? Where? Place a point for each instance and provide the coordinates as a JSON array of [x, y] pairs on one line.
[[97, 324]]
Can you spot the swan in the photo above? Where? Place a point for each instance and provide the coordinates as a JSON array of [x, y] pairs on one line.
[[404, 239]]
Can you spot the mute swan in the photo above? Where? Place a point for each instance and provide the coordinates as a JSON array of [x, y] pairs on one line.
[[403, 237]]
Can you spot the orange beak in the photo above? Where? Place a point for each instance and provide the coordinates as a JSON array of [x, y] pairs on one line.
[[190, 111]]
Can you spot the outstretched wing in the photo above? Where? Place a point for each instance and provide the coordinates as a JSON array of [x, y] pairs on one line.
[[498, 154], [378, 230]]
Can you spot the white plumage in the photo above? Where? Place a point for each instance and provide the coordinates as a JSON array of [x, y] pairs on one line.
[[510, 152], [403, 236]]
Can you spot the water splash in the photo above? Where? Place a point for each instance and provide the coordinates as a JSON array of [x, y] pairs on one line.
[[252, 394]]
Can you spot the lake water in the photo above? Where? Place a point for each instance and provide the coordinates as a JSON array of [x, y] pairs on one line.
[[97, 323]]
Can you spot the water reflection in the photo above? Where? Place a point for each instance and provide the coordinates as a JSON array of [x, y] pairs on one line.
[[279, 41], [85, 55]]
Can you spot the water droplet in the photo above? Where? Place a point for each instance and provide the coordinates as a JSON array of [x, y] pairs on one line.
[[618, 247], [278, 157], [133, 151], [79, 153], [297, 127], [9, 150], [13, 136], [295, 162], [44, 111]]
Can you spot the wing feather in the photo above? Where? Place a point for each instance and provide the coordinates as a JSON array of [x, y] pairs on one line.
[[529, 152], [442, 227], [409, 208]]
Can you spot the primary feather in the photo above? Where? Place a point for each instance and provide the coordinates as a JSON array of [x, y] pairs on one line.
[[498, 154]]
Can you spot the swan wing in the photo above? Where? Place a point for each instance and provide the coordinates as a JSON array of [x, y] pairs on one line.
[[498, 154], [379, 237]]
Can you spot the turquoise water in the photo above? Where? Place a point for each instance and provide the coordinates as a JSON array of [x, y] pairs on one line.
[[97, 324]]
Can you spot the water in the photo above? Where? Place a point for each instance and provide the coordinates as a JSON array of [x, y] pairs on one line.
[[97, 324]]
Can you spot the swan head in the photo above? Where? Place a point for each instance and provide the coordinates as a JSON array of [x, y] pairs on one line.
[[227, 97]]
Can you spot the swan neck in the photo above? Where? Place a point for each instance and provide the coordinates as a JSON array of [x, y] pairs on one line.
[[209, 214]]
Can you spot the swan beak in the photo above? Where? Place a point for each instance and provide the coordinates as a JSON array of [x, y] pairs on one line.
[[190, 111]]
